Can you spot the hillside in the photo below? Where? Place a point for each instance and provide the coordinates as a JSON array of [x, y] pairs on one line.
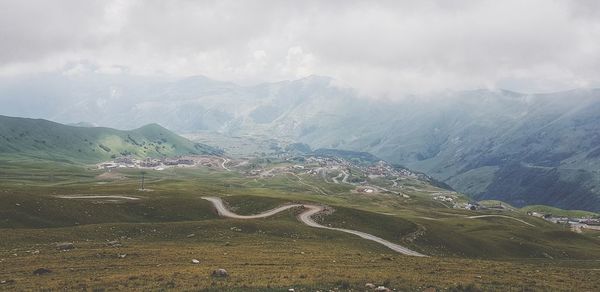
[[42, 139], [154, 236], [491, 144], [110, 221]]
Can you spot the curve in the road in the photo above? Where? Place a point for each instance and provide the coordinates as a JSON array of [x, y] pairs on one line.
[[306, 218], [225, 160]]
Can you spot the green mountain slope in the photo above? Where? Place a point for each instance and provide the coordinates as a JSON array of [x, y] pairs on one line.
[[42, 139], [491, 144]]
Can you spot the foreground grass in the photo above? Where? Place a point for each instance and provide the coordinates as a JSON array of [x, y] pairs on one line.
[[275, 253]]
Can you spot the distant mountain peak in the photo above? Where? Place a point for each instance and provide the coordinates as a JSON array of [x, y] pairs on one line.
[[152, 126], [316, 79], [83, 124]]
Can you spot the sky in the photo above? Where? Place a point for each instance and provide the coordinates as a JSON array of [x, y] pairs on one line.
[[384, 48]]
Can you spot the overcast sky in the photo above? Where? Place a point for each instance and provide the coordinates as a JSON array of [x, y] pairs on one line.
[[381, 47]]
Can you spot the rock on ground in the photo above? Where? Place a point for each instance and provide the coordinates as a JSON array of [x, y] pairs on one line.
[[221, 273], [41, 271], [114, 243], [65, 246]]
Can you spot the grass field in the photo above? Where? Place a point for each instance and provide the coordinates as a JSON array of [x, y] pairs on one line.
[[170, 225], [274, 252], [558, 212]]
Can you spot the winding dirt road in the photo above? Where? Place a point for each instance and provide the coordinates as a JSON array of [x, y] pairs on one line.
[[306, 218], [97, 197], [224, 212], [501, 216], [225, 160]]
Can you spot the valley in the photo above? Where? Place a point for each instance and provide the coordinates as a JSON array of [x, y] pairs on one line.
[[300, 146], [307, 220], [479, 142]]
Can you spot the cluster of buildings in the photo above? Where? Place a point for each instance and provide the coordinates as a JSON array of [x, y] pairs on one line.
[[444, 198], [576, 223], [379, 169], [149, 163], [383, 168], [336, 170], [327, 161]]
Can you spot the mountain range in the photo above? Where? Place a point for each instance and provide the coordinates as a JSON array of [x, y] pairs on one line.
[[490, 144]]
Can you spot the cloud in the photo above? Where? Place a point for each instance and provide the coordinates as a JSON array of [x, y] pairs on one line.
[[387, 48]]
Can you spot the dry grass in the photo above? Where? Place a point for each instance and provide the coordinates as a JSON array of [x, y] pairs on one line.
[[278, 254]]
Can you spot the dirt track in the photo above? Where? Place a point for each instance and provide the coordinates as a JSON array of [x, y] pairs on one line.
[[501, 216], [306, 218], [97, 197]]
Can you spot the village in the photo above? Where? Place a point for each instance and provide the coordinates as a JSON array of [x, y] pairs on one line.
[[576, 223], [162, 163], [367, 178], [335, 170], [380, 169]]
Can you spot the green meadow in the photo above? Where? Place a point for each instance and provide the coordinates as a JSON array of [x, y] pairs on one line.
[[169, 225]]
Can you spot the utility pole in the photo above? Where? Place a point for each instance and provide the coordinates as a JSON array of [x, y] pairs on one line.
[[142, 184]]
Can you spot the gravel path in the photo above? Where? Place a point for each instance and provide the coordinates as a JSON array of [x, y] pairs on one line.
[[306, 218], [501, 216], [97, 197]]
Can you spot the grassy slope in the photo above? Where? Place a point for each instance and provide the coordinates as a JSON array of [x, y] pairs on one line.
[[176, 192], [32, 211], [557, 212], [279, 254], [249, 205], [330, 259], [495, 203], [43, 139], [541, 209], [389, 227]]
